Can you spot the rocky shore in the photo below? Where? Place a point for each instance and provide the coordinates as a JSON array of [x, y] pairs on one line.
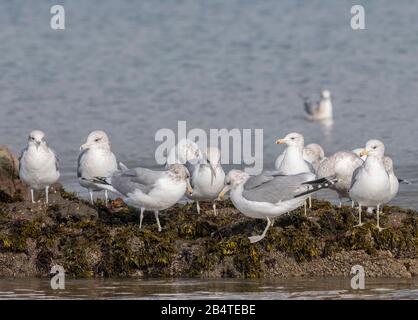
[[99, 241]]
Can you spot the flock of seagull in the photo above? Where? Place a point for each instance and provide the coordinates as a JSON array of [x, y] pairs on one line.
[[365, 175]]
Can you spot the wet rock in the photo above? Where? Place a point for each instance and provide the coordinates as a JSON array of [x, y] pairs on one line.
[[11, 188]]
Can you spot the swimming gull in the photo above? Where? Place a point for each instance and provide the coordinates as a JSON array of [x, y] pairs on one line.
[[38, 166], [270, 194], [342, 164], [95, 160], [322, 110], [207, 178], [149, 189], [371, 184]]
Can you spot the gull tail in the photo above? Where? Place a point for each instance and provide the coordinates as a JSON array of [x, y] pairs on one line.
[[123, 167], [103, 183], [316, 185], [404, 181]]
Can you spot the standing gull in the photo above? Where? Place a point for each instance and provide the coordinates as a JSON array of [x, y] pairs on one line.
[[341, 165], [270, 194], [95, 160], [322, 110], [291, 160], [149, 189], [185, 152], [370, 186], [38, 164], [207, 178]]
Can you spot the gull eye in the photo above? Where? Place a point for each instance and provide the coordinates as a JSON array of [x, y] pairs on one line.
[[375, 147], [228, 183], [97, 139], [292, 138]]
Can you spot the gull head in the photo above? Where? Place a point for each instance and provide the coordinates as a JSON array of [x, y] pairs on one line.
[[36, 138], [325, 94], [293, 139], [358, 151], [97, 138], [180, 173], [313, 152], [374, 148], [233, 179], [185, 151]]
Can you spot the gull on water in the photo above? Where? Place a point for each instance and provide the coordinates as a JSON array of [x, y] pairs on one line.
[[95, 160], [342, 165], [371, 186], [270, 194], [149, 189], [322, 110], [207, 178], [38, 164]]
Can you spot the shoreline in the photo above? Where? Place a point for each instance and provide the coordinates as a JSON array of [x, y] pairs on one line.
[[95, 241]]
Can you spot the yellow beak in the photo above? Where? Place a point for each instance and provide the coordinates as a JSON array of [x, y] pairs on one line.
[[83, 146], [280, 141], [364, 153], [221, 195], [189, 188]]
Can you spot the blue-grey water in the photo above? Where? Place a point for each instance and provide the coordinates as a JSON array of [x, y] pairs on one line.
[[174, 289], [133, 67]]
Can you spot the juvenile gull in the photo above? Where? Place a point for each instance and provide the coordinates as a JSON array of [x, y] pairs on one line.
[[38, 165], [314, 154], [371, 184], [186, 151], [341, 165], [322, 110], [207, 178], [149, 189], [270, 194], [95, 160]]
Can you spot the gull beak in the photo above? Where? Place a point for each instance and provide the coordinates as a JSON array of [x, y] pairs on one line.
[[364, 153], [221, 195], [280, 141], [189, 188], [83, 147], [38, 143]]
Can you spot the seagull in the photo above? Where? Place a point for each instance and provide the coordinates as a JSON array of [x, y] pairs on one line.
[[291, 161], [314, 154], [149, 189], [341, 165], [270, 194], [207, 178], [393, 180], [95, 160], [321, 110], [370, 186], [38, 164]]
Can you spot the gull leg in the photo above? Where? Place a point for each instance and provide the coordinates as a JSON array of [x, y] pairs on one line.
[[106, 198], [32, 195], [310, 201], [141, 217], [255, 239], [214, 209], [158, 220], [46, 194], [304, 205], [377, 223], [198, 207], [352, 204], [91, 196], [359, 217], [340, 204]]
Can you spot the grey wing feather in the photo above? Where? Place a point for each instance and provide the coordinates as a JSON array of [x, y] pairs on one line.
[[191, 168], [80, 158], [277, 188], [310, 107], [355, 173], [326, 168], [133, 179], [21, 156], [256, 181], [57, 160]]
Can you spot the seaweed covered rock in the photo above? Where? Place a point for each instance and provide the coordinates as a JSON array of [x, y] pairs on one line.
[[97, 241], [11, 188]]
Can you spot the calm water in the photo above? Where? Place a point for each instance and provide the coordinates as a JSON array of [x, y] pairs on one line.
[[209, 289]]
